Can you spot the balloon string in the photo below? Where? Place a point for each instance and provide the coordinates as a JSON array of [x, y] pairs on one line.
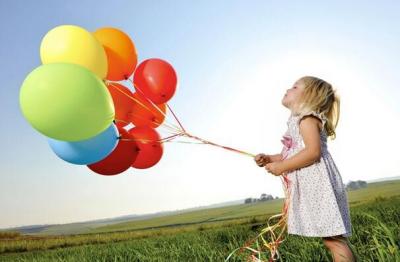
[[272, 245], [179, 122], [168, 130], [151, 102], [144, 106], [183, 129], [187, 142], [217, 145], [164, 125], [145, 141]]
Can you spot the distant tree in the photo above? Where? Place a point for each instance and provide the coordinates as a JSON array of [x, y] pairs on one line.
[[362, 183], [263, 197], [248, 200], [353, 185], [266, 197]]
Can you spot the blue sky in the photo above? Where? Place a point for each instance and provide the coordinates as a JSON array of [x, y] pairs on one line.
[[235, 60]]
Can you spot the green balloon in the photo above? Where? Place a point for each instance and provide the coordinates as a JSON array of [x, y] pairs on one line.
[[66, 102]]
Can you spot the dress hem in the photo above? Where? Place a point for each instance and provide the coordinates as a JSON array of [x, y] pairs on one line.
[[315, 235]]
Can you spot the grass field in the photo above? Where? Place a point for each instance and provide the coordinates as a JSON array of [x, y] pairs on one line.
[[210, 235]]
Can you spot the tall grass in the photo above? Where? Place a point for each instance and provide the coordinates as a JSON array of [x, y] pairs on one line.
[[376, 237]]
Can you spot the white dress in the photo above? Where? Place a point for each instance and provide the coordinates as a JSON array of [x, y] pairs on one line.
[[318, 204]]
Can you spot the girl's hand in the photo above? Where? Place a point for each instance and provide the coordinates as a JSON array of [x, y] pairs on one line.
[[262, 159], [275, 168]]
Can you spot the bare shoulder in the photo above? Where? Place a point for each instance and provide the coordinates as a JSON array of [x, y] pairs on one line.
[[310, 122], [309, 130]]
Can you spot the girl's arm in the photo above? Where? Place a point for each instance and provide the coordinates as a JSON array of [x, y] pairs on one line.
[[310, 132], [275, 158]]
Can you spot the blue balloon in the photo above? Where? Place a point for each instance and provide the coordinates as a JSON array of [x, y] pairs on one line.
[[87, 151]]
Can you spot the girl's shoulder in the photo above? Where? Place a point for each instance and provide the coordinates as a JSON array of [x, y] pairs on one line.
[[295, 118], [300, 116]]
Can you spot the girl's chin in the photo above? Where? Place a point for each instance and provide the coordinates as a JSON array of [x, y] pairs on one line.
[[285, 103]]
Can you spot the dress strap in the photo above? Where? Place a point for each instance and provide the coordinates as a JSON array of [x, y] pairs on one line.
[[320, 116]]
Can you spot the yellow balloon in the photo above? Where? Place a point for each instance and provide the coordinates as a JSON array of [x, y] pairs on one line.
[[73, 44]]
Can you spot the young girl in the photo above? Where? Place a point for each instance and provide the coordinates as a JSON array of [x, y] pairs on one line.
[[318, 204]]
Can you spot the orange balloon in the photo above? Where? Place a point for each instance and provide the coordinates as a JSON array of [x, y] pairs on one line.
[[150, 149], [120, 50], [123, 103], [144, 113]]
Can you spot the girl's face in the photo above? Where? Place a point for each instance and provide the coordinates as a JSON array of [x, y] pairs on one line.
[[293, 95]]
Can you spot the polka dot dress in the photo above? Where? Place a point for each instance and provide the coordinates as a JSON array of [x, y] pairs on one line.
[[318, 200]]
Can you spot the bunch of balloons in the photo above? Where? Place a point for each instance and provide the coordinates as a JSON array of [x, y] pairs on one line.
[[77, 100]]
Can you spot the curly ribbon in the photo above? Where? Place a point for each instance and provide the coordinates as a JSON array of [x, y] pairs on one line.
[[269, 230], [272, 244]]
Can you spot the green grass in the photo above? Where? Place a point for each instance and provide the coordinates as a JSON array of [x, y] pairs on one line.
[[375, 237], [200, 216], [210, 235], [374, 190]]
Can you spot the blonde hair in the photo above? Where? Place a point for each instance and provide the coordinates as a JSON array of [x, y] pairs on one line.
[[319, 96]]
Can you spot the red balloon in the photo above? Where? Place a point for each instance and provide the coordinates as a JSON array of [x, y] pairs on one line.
[[145, 113], [120, 124], [123, 103], [157, 80], [150, 147], [120, 159]]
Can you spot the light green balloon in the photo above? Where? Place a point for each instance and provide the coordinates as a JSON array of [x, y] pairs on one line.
[[66, 102]]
